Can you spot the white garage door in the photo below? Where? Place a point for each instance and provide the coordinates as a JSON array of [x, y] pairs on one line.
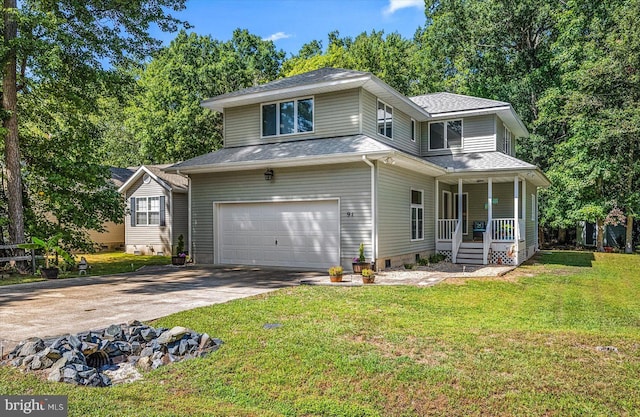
[[296, 234]]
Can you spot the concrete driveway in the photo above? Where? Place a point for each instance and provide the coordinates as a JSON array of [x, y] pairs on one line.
[[58, 307]]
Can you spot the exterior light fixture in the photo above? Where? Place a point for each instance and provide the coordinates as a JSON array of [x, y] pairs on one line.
[[268, 174]]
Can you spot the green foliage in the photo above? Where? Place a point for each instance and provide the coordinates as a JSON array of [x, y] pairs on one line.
[[50, 247], [66, 51], [164, 118], [388, 57], [361, 257], [180, 245]]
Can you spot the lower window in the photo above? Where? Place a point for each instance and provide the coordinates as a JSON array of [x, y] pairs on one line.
[[147, 211], [417, 215]]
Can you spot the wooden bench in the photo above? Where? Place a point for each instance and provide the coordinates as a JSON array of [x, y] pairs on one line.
[[31, 257]]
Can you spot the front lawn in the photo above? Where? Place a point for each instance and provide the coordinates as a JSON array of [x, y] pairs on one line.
[[524, 344], [104, 263]]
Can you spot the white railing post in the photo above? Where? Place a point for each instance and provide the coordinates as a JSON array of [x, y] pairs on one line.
[[516, 234], [486, 239]]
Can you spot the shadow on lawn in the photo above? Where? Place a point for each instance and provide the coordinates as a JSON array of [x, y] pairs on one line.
[[567, 258]]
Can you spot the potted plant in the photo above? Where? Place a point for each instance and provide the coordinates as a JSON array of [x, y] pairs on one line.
[[368, 276], [335, 273], [359, 263], [50, 247], [181, 257]]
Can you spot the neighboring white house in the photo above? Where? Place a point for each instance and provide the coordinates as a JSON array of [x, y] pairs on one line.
[[317, 163], [157, 211]]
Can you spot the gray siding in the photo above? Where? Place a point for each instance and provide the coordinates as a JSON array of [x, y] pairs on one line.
[[180, 218], [394, 211], [335, 114], [142, 238], [499, 134], [348, 182], [477, 136], [531, 225], [401, 130]]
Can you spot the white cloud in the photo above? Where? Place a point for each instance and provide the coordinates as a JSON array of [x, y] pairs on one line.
[[276, 36], [395, 5]]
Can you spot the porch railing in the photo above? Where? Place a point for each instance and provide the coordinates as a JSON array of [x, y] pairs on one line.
[[503, 230], [456, 241], [446, 228]]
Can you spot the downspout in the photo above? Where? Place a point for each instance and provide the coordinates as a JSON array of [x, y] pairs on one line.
[[374, 235], [189, 228]]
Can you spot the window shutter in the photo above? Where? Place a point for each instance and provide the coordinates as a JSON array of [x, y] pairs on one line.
[[162, 222], [132, 209]]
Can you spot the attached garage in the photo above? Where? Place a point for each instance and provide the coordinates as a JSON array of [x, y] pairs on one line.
[[302, 234]]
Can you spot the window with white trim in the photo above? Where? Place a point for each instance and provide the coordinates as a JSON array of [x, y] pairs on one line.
[[287, 117], [445, 135], [414, 130], [507, 141], [385, 119], [147, 211], [417, 215]]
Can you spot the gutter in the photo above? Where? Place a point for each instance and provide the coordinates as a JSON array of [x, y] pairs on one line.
[[374, 235]]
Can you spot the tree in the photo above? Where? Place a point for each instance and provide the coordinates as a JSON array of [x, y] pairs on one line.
[[599, 102], [388, 57], [61, 52], [165, 116]]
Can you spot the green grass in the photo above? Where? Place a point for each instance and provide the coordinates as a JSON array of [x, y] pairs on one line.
[[524, 344], [106, 263]]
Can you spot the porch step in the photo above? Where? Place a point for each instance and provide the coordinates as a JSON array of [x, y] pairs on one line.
[[470, 253]]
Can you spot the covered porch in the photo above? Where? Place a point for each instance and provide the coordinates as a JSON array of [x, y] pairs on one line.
[[483, 219]]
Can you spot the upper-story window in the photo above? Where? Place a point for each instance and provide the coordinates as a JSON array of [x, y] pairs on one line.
[[507, 141], [287, 117], [414, 130], [443, 135], [385, 119]]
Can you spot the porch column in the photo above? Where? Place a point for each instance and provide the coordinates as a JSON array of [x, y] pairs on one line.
[[516, 183], [460, 203], [489, 200], [437, 211], [523, 233]]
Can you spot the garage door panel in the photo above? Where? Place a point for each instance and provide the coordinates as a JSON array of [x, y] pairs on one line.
[[307, 233]]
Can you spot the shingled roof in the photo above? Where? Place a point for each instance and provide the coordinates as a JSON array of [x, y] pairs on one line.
[[447, 102], [479, 161], [308, 78]]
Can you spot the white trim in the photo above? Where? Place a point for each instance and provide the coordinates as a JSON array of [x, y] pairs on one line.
[[219, 104], [137, 174], [417, 207], [147, 211], [374, 230], [168, 216], [414, 127], [190, 219], [295, 116], [506, 140], [446, 141], [385, 119]]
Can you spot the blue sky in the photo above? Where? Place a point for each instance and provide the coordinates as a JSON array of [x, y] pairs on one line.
[[292, 23]]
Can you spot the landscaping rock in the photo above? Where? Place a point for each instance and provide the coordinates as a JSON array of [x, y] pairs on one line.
[[92, 358]]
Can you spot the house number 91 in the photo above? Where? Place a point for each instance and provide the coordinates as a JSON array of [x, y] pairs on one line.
[[351, 214]]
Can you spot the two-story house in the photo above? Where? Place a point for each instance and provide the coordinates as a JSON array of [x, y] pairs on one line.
[[315, 164]]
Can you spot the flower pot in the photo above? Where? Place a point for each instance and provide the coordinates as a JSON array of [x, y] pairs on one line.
[[336, 278], [368, 280], [178, 260], [359, 266], [49, 273]]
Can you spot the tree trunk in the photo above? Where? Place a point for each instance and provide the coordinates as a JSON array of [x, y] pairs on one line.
[[10, 123], [600, 235], [628, 247]]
